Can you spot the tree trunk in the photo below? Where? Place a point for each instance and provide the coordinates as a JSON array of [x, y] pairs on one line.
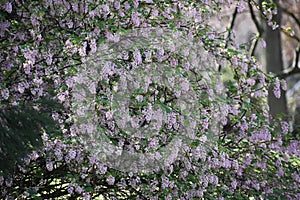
[[274, 63]]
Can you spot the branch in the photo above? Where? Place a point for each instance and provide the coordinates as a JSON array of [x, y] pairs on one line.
[[287, 33], [253, 46], [260, 30], [292, 15], [231, 25], [254, 19], [295, 68], [235, 12]]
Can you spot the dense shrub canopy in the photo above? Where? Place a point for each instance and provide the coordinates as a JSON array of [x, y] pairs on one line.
[[120, 69]]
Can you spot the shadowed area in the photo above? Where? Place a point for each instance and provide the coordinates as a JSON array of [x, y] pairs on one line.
[[21, 128]]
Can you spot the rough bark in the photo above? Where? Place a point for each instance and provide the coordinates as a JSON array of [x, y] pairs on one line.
[[274, 62]]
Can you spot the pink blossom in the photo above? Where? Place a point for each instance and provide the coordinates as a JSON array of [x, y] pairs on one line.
[[59, 155], [34, 155], [82, 50], [21, 88], [276, 88], [136, 3], [5, 93], [61, 97], [93, 45], [251, 81], [154, 12], [70, 189], [102, 168], [3, 26], [110, 180], [49, 59], [211, 36], [27, 68], [261, 78], [253, 117], [244, 125], [241, 5], [70, 82], [105, 8], [256, 185], [8, 7], [296, 177], [8, 182], [86, 196], [165, 182], [49, 165], [135, 18], [78, 189], [234, 184], [38, 81], [137, 57], [283, 85], [127, 5], [284, 127], [263, 43], [280, 172], [117, 5]]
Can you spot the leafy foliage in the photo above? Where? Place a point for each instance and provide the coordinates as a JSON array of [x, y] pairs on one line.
[[21, 129], [46, 44]]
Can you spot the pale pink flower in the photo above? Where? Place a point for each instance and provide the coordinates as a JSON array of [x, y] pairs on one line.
[[234, 184], [284, 127], [9, 182], [253, 117], [49, 165], [154, 12], [93, 45], [59, 155], [164, 182], [241, 6], [296, 177], [127, 5], [21, 88], [86, 196], [251, 81], [135, 18], [109, 115], [78, 189], [263, 43], [110, 180], [5, 93], [283, 85], [105, 8], [8, 7], [82, 50], [280, 172], [117, 5], [136, 3], [27, 68], [137, 57], [3, 26], [276, 88]]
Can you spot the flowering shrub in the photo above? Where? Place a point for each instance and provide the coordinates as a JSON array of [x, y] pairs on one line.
[[146, 114]]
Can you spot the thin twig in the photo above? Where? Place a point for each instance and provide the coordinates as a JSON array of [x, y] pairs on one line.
[[295, 68], [291, 14], [254, 19], [229, 31], [253, 46]]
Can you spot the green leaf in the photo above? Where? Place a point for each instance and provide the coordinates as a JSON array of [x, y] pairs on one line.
[[88, 189], [165, 107]]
